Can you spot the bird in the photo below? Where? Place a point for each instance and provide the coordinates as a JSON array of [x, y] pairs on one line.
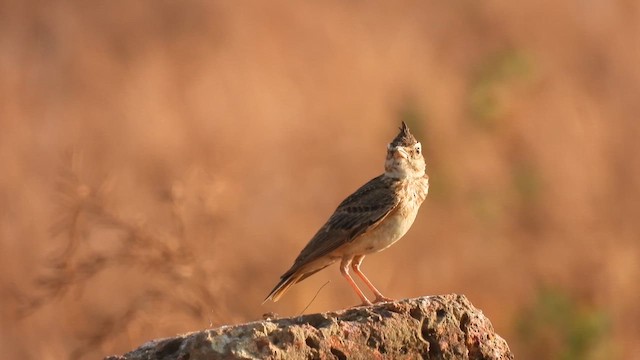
[[368, 221]]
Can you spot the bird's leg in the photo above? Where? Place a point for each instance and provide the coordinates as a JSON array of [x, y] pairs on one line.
[[344, 269], [356, 269]]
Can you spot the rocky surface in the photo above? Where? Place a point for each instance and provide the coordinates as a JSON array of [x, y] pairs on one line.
[[433, 327]]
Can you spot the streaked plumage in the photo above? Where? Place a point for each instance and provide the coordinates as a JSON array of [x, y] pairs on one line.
[[370, 220]]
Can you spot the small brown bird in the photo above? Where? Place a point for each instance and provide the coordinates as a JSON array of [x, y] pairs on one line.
[[368, 221]]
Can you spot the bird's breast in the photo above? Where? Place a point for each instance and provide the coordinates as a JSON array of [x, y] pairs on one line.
[[392, 227]]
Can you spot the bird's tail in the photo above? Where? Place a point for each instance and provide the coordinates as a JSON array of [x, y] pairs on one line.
[[286, 281]]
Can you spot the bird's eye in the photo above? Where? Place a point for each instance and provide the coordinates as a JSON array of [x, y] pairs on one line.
[[418, 150]]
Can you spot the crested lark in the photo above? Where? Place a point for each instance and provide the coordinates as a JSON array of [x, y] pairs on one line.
[[370, 220]]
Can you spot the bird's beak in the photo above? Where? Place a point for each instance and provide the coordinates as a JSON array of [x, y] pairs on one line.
[[399, 152]]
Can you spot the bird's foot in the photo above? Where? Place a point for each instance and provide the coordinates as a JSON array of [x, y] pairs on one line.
[[381, 298]]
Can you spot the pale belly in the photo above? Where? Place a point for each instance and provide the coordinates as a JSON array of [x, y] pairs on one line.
[[390, 230]]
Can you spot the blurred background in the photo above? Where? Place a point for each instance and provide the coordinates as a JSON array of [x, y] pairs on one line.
[[162, 164]]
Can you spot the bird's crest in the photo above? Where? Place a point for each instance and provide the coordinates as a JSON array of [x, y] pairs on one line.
[[404, 138]]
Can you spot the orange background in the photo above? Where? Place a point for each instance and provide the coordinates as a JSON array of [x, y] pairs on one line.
[[162, 163]]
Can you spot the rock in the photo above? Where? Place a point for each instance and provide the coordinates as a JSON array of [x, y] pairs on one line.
[[434, 327]]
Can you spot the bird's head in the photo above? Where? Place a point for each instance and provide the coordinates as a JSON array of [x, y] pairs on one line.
[[404, 156]]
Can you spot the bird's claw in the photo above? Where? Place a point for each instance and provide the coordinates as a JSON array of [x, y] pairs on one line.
[[380, 299]]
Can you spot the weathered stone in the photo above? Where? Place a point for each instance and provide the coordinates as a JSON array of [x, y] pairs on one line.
[[434, 327]]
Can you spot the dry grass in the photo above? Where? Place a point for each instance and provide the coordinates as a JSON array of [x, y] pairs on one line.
[[163, 163]]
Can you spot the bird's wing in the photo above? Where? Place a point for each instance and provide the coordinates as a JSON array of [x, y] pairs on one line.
[[361, 211]]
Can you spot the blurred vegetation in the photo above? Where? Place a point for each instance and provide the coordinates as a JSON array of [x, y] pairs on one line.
[[558, 327], [494, 80], [526, 181], [172, 265]]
